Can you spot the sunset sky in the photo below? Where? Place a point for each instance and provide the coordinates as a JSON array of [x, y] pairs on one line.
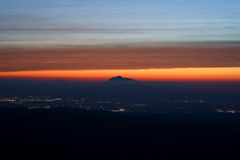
[[150, 40]]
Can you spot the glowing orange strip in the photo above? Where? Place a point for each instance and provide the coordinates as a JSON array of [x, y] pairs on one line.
[[176, 74]]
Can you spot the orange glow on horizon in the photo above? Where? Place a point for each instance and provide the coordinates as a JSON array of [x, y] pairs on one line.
[[176, 74]]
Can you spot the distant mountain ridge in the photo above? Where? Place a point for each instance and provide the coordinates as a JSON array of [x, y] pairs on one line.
[[120, 79]]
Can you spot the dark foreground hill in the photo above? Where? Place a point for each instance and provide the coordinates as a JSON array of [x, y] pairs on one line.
[[72, 133]]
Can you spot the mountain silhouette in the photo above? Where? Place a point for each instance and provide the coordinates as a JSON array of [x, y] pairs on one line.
[[124, 87], [120, 79]]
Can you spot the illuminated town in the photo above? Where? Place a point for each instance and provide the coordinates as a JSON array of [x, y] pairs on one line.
[[123, 105]]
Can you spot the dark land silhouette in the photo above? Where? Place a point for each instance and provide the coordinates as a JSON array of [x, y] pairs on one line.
[[70, 131], [115, 87]]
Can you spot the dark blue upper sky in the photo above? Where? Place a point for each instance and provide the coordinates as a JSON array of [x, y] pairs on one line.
[[52, 23]]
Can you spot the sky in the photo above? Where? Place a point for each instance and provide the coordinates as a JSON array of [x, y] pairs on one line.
[[143, 37]]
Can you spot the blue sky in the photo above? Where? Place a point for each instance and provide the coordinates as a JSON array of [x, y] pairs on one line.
[[81, 23]]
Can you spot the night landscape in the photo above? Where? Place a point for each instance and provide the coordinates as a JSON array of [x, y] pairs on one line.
[[120, 79]]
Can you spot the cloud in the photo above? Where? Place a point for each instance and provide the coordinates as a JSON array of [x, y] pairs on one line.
[[230, 27], [96, 30], [117, 58]]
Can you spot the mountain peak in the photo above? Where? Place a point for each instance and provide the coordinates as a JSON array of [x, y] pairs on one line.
[[120, 79]]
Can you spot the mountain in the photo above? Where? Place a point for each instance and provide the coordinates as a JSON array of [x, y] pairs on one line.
[[123, 87], [123, 83], [120, 79]]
